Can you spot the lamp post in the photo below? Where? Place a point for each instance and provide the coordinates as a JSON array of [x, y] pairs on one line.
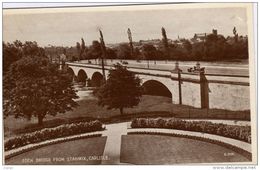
[[178, 71]]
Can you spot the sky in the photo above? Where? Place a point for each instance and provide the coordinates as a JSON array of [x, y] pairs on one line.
[[67, 28]]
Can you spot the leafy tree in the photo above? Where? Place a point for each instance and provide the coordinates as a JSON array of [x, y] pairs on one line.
[[94, 51], [83, 46], [35, 87], [83, 49], [235, 34], [130, 42], [78, 50], [137, 54], [110, 53], [165, 42], [187, 45], [215, 47], [16, 50], [121, 90], [124, 51], [198, 52], [32, 49], [149, 52]]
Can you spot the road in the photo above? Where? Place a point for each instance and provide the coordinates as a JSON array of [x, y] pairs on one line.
[[223, 68]]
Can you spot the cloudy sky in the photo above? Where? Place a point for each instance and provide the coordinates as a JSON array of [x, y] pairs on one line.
[[66, 28]]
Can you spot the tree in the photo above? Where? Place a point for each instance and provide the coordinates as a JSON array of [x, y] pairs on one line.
[[16, 50], [110, 53], [124, 51], [94, 51], [78, 50], [36, 87], [149, 52], [187, 45], [122, 89], [235, 34], [130, 42], [215, 47], [83, 49], [165, 43]]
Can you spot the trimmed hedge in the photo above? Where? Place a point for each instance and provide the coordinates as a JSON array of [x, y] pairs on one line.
[[52, 133], [243, 152], [242, 133]]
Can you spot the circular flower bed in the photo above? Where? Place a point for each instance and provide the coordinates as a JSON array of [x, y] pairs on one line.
[[242, 133], [52, 133]]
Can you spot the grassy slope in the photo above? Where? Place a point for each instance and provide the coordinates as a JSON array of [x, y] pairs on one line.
[[88, 108]]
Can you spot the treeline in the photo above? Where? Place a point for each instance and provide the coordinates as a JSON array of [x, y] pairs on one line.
[[212, 47]]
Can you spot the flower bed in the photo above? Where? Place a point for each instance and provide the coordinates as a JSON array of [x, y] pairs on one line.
[[52, 133], [245, 153], [60, 140], [242, 133]]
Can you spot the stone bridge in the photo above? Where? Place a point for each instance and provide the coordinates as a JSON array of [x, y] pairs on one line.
[[199, 90]]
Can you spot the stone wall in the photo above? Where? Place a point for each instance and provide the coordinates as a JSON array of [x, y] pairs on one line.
[[209, 91], [229, 96]]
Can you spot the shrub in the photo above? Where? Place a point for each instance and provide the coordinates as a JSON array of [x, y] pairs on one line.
[[242, 133], [52, 133]]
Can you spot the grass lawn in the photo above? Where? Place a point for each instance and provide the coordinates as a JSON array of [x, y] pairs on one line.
[[88, 108], [155, 149], [68, 153]]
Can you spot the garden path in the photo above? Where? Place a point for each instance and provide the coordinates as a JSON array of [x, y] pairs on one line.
[[113, 143]]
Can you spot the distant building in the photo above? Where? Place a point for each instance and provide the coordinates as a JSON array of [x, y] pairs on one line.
[[201, 37]]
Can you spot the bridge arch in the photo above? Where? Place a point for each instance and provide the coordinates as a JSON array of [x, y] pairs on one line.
[[156, 88], [71, 73], [82, 76], [96, 79]]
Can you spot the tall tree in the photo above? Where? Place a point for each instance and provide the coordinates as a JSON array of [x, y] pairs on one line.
[[78, 50], [165, 43], [36, 87], [122, 89], [103, 48], [130, 42], [83, 49], [235, 34]]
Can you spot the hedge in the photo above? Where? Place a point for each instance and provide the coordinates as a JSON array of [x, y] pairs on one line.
[[242, 133], [52, 133]]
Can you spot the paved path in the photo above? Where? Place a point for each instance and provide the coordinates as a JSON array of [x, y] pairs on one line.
[[113, 143]]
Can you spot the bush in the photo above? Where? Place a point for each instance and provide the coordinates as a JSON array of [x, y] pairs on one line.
[[52, 133], [242, 133]]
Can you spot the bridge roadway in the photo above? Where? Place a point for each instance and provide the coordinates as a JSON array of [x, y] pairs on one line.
[[223, 68]]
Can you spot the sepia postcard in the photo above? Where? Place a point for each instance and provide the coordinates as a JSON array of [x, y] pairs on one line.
[[157, 84]]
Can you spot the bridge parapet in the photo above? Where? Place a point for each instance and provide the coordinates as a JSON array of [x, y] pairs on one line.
[[196, 89]]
